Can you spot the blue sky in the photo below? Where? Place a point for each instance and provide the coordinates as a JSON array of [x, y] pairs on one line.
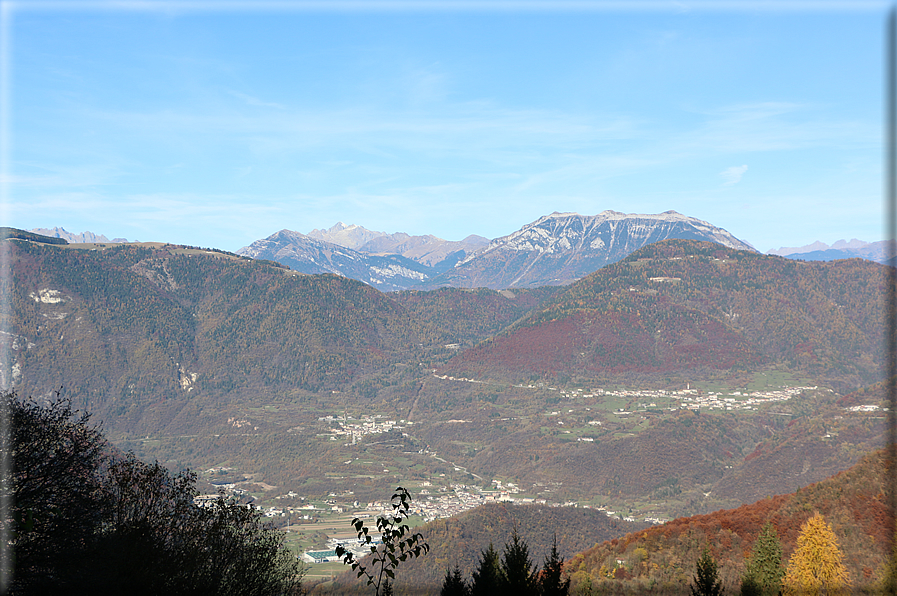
[[219, 124]]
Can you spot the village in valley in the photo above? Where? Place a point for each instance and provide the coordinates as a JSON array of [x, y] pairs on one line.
[[315, 525]]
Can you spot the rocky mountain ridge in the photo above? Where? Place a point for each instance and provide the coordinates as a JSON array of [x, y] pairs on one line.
[[305, 254], [560, 248], [82, 238], [554, 250]]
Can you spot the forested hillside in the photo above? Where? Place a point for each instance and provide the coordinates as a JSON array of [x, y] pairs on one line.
[[129, 327], [203, 358], [662, 558], [690, 307], [458, 541], [472, 315]]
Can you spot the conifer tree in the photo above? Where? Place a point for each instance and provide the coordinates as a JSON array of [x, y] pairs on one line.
[[550, 580], [517, 567], [816, 567], [764, 573], [453, 584], [487, 579], [706, 580]]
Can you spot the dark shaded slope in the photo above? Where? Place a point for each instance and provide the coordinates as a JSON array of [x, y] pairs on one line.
[[130, 327], [460, 539]]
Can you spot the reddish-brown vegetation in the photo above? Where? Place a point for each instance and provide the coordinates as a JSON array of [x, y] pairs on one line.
[[853, 502]]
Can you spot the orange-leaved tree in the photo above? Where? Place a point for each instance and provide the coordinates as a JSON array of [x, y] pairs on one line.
[[817, 566]]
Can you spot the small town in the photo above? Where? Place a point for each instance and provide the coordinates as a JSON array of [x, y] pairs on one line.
[[430, 507], [690, 399]]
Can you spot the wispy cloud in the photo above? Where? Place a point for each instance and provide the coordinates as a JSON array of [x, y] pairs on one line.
[[776, 126], [733, 175], [254, 101], [312, 166]]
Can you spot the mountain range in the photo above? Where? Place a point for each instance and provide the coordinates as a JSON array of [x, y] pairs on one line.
[[820, 251], [164, 340], [155, 315], [200, 356], [678, 306], [82, 238], [427, 250], [554, 250]]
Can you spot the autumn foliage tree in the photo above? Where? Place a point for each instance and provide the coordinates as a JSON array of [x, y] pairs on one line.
[[816, 567]]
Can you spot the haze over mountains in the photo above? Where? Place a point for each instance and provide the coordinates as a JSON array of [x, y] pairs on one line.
[[820, 251], [83, 237], [428, 250]]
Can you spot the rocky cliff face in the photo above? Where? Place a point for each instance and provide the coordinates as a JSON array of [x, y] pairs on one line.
[[83, 237], [308, 255], [427, 250]]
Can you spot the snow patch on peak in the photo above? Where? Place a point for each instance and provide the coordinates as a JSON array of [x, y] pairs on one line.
[[564, 232], [340, 227]]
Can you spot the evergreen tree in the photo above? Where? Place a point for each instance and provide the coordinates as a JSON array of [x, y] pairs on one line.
[[816, 567], [453, 584], [487, 579], [764, 573], [550, 580], [706, 580], [517, 567]]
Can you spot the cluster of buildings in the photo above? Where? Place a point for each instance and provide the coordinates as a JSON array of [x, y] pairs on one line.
[[864, 408], [737, 400], [353, 428], [734, 400], [692, 399], [461, 498]]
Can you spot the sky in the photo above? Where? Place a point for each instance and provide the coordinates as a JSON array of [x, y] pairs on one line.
[[216, 124]]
